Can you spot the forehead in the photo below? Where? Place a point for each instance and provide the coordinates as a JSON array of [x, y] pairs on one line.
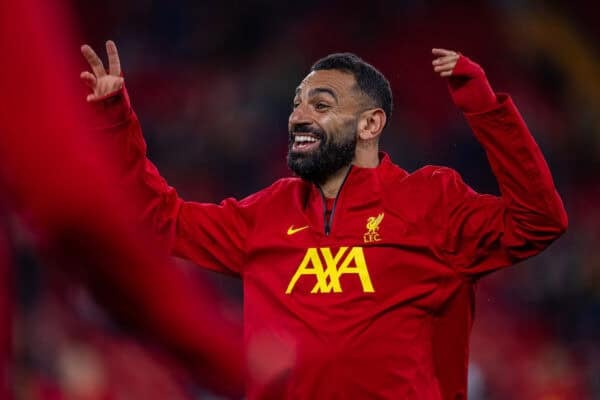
[[338, 81]]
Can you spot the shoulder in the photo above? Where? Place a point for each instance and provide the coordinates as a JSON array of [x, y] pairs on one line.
[[426, 175], [437, 177], [429, 177], [427, 190], [281, 187]]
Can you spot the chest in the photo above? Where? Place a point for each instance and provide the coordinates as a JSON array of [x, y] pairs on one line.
[[361, 255]]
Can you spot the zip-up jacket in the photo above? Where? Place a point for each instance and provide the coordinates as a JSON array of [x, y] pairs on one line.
[[374, 300]]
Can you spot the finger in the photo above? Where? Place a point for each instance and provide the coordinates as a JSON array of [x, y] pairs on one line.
[[446, 74], [89, 79], [112, 87], [114, 64], [108, 86], [442, 52], [94, 61], [445, 67], [445, 59]]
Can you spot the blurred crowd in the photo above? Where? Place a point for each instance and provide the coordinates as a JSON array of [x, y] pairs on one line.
[[212, 83]]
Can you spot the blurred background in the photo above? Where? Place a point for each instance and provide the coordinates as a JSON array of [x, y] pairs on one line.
[[212, 83]]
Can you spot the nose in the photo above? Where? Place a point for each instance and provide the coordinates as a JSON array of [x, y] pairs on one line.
[[300, 115]]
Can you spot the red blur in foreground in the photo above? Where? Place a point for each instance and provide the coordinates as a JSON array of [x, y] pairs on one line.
[[51, 167], [5, 315]]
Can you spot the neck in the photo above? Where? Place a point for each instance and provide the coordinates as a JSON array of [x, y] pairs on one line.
[[366, 156], [331, 186]]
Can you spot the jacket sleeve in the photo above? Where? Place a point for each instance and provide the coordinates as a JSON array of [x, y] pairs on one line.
[[482, 233], [210, 235]]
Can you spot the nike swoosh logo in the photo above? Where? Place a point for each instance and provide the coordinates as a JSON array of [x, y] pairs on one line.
[[291, 230]]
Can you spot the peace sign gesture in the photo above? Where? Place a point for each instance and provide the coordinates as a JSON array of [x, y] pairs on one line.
[[101, 82]]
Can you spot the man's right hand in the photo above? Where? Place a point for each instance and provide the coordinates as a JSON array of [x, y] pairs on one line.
[[102, 82]]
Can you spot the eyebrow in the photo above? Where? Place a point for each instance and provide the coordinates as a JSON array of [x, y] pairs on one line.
[[319, 90]]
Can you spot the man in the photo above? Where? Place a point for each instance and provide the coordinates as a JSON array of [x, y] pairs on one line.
[[357, 274]]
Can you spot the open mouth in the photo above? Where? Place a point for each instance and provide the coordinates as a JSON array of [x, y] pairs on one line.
[[305, 142]]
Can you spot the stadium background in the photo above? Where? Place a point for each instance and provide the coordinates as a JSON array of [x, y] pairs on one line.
[[212, 84]]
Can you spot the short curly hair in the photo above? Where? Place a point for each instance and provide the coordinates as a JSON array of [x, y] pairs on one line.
[[370, 81]]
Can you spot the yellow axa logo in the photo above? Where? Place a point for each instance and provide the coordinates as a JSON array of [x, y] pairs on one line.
[[372, 234], [327, 268]]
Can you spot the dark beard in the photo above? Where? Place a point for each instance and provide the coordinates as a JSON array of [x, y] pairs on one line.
[[318, 165]]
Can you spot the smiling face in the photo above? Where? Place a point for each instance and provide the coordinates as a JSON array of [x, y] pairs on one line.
[[323, 124]]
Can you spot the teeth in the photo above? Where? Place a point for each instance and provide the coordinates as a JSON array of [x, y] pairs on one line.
[[303, 139]]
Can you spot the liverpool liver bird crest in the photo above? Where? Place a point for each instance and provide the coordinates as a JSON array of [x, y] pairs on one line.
[[372, 234]]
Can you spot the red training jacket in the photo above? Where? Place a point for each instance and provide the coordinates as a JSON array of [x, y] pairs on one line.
[[376, 301]]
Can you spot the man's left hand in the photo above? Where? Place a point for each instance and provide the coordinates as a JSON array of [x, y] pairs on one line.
[[445, 61], [468, 84]]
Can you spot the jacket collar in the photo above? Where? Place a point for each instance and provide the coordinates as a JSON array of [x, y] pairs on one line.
[[362, 188]]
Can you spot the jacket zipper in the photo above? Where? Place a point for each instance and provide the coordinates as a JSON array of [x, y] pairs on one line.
[[329, 221]]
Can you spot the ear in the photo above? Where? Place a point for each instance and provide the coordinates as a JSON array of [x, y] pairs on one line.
[[371, 123]]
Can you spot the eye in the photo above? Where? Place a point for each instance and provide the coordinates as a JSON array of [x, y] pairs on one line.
[[321, 106], [295, 104]]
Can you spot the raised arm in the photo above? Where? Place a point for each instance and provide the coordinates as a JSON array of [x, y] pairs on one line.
[[481, 233], [211, 235]]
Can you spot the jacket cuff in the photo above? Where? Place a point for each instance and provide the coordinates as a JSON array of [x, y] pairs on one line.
[[112, 110]]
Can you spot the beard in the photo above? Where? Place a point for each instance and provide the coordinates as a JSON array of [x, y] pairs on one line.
[[331, 155]]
